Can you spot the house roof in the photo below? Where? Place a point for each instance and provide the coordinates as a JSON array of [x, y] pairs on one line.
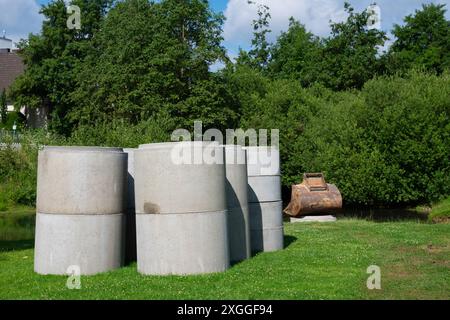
[[11, 66]]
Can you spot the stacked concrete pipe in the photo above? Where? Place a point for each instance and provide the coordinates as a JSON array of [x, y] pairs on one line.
[[130, 238], [265, 202], [237, 202], [181, 211], [80, 220]]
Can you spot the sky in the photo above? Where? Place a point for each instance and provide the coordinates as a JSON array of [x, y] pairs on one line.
[[21, 17]]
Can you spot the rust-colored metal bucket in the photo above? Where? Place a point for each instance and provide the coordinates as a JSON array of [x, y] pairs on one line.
[[313, 195]]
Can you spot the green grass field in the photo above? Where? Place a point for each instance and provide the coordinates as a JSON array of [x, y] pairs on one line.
[[321, 261], [441, 211]]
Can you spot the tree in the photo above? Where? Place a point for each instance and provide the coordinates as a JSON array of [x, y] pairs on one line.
[[295, 53], [259, 55], [149, 57], [3, 107], [423, 41], [52, 59], [350, 55]]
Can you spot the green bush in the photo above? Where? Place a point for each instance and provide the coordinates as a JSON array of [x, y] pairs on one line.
[[441, 211], [123, 134], [387, 145], [11, 119], [18, 168]]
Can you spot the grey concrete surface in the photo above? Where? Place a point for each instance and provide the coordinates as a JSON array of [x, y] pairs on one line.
[[183, 143], [267, 240], [163, 186], [266, 215], [237, 203], [264, 194], [182, 244], [81, 206], [266, 223], [77, 180], [264, 189], [95, 243], [239, 234]]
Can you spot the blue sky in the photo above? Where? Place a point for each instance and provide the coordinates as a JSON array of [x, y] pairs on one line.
[[20, 17]]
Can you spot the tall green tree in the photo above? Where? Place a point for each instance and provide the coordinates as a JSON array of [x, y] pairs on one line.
[[152, 57], [423, 41], [259, 55], [295, 54], [52, 59], [350, 56]]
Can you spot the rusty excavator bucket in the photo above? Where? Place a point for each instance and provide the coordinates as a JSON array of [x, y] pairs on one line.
[[313, 195]]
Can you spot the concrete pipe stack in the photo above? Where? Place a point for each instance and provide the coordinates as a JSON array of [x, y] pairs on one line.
[[265, 202], [81, 201], [130, 238], [181, 210], [237, 202]]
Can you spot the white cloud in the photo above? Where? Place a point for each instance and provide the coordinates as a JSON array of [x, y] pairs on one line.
[[19, 18], [315, 14]]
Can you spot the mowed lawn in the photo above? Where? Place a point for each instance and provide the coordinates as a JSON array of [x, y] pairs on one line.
[[321, 261]]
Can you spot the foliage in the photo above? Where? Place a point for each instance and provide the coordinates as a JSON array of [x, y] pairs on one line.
[[150, 58], [296, 55], [119, 133], [441, 211], [345, 60], [258, 57], [350, 56], [52, 59], [423, 41], [386, 145], [135, 74], [18, 167]]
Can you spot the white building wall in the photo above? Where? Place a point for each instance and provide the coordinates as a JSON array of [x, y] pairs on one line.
[[5, 43]]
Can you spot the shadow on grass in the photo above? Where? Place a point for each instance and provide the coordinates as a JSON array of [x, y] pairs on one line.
[[288, 240], [11, 245]]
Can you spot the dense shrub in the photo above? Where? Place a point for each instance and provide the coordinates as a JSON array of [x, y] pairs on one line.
[[120, 133], [388, 144], [18, 168]]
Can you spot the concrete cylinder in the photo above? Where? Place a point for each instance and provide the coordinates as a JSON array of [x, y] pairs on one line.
[[94, 243], [237, 202], [182, 244], [171, 178], [264, 193], [263, 161], [266, 226], [81, 205], [264, 189], [181, 209]]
